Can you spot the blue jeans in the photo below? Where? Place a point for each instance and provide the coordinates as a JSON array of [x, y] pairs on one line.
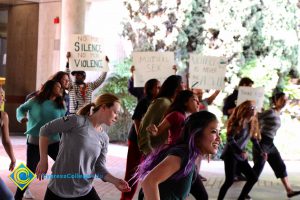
[[5, 193]]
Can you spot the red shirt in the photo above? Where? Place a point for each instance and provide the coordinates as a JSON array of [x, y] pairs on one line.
[[176, 120]]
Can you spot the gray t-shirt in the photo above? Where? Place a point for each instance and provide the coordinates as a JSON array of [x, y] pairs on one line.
[[269, 122], [82, 153]]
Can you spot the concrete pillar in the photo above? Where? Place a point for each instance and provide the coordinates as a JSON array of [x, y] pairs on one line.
[[72, 22], [48, 52]]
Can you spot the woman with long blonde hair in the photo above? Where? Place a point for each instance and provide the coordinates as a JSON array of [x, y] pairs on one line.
[[242, 125]]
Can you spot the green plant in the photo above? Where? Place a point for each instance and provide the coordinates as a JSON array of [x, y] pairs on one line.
[[117, 84], [259, 38]]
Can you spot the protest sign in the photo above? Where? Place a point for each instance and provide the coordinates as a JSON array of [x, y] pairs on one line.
[[86, 54], [150, 65], [253, 94], [207, 72]]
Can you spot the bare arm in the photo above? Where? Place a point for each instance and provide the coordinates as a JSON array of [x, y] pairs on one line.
[[137, 123], [6, 141], [212, 97], [164, 170], [42, 166], [161, 128]]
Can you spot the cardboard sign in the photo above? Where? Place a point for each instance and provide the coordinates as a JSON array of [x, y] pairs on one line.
[[150, 65], [253, 94], [207, 72], [86, 54]]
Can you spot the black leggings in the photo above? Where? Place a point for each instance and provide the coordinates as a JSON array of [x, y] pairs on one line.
[[231, 164], [197, 188], [33, 158], [92, 195], [274, 159]]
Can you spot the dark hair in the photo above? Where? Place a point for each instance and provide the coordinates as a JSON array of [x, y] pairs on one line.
[[179, 102], [170, 86], [277, 96], [192, 131], [149, 85], [246, 81], [58, 76], [46, 91], [79, 72]]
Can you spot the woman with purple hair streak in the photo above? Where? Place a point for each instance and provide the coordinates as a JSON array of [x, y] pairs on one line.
[[167, 172]]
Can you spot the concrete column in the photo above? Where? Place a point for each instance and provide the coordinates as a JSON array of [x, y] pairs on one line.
[[72, 22], [48, 52]]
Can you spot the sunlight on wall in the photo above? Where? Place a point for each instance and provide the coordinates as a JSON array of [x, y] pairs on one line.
[[103, 19]]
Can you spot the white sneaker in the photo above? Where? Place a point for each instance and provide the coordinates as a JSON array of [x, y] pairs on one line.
[[28, 194]]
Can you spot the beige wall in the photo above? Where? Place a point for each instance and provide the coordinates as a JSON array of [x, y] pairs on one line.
[[22, 43], [48, 35]]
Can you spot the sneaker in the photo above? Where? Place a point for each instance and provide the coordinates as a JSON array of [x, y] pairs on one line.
[[293, 193], [202, 178], [248, 197], [28, 194]]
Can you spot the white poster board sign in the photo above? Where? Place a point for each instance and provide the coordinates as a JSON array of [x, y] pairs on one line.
[[253, 94], [86, 54], [207, 72], [150, 65]]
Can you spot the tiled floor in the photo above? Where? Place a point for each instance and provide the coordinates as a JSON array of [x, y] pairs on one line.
[[267, 188]]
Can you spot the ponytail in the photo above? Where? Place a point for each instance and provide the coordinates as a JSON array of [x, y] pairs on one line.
[[86, 110], [106, 99]]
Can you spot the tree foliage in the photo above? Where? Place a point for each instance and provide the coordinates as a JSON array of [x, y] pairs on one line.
[[117, 84], [260, 38]]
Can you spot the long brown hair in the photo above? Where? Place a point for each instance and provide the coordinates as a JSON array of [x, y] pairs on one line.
[[106, 99], [45, 93], [236, 120]]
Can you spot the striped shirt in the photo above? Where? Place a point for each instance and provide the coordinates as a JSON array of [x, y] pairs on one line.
[[269, 122], [81, 94]]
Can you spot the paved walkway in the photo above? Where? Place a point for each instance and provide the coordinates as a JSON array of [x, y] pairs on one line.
[[268, 186]]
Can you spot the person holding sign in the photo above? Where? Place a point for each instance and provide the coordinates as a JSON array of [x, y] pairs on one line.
[[269, 124], [242, 125], [155, 113], [138, 92], [80, 93], [230, 103], [231, 100], [204, 103], [134, 155]]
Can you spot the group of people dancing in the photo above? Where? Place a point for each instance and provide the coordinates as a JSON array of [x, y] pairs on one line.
[[172, 131]]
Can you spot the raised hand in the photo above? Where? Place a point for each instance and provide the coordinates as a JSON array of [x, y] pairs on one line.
[[132, 69]]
